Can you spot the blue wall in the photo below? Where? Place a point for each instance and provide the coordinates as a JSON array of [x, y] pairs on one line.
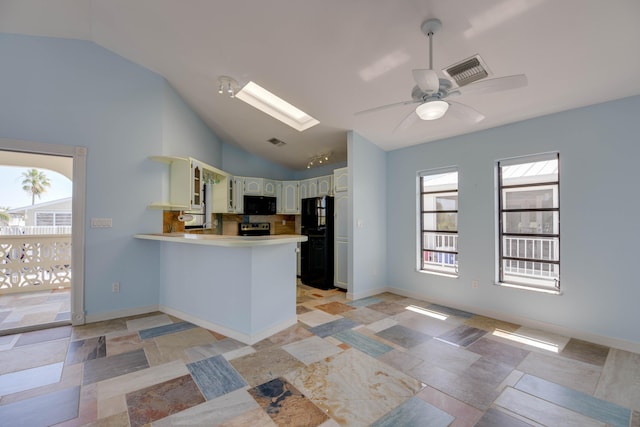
[[74, 92], [599, 172], [185, 134], [368, 213], [239, 162], [318, 171]]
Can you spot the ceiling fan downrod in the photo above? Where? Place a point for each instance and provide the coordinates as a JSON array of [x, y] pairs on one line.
[[429, 28]]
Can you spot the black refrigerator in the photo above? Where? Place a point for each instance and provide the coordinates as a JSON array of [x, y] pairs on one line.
[[316, 257]]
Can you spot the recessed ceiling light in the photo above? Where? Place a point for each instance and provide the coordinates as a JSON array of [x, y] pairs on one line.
[[276, 107]]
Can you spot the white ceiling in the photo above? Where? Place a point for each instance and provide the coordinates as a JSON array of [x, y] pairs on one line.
[[332, 58]]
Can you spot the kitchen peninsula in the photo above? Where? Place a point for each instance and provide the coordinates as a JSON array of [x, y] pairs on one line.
[[241, 286]]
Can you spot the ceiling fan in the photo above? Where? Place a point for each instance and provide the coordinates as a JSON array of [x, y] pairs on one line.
[[431, 93]]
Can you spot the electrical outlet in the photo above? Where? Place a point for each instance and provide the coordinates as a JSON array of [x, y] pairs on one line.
[[474, 283], [115, 287]]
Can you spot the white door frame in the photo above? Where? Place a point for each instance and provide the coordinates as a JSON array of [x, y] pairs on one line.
[[79, 155]]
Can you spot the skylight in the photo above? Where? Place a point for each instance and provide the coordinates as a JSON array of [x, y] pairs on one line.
[[276, 107]]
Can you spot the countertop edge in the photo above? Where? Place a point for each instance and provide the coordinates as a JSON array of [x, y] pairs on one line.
[[228, 241]]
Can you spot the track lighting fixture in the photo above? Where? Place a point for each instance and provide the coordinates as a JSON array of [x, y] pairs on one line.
[[318, 159], [229, 85]]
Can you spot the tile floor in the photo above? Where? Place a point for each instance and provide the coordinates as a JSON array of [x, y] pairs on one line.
[[24, 310], [382, 361]]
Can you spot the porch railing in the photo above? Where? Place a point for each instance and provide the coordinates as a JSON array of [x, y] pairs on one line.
[[521, 247], [34, 262], [22, 230]]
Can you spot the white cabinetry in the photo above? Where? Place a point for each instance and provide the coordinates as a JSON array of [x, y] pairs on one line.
[[324, 185], [308, 188], [316, 187], [259, 187], [197, 186], [228, 195], [341, 179], [269, 188], [290, 197], [186, 183], [278, 195], [341, 229], [253, 186]]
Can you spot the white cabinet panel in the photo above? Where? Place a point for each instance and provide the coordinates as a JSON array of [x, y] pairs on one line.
[[269, 187], [290, 197], [324, 185], [197, 186], [279, 197], [253, 186], [341, 239], [239, 196], [341, 211], [341, 277], [341, 179], [308, 188]]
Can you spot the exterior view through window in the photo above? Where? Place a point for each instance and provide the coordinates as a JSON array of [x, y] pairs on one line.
[[529, 222], [439, 221]]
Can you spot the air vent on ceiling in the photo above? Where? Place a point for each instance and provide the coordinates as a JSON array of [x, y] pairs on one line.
[[277, 142], [467, 71]]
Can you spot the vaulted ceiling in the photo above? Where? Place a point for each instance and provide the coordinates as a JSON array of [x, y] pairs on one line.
[[332, 58]]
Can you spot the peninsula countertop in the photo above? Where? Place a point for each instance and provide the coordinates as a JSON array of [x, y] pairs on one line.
[[222, 240]]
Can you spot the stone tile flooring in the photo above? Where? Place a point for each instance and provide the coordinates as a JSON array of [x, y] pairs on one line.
[[382, 361], [24, 310]]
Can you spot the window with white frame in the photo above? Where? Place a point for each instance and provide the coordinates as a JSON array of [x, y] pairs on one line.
[[53, 219], [529, 222], [439, 221]]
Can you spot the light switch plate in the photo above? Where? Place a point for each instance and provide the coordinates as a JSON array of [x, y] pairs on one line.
[[101, 223]]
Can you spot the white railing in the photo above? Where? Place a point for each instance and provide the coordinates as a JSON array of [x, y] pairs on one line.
[[441, 242], [540, 248], [34, 263], [18, 230]]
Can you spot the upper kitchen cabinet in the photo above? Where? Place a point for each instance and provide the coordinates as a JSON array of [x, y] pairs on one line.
[[259, 187], [253, 186], [186, 182], [228, 195], [290, 197], [269, 188], [316, 187], [325, 185], [197, 186], [341, 179], [308, 188]]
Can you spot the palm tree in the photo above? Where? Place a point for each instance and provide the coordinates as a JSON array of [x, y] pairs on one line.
[[35, 182]]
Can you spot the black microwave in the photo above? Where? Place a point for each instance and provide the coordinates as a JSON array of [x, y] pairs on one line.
[[259, 205]]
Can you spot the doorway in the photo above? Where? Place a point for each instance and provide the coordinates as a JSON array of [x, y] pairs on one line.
[[41, 241]]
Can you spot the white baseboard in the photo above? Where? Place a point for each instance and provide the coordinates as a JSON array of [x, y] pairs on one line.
[[99, 317], [242, 337], [530, 323], [367, 293]]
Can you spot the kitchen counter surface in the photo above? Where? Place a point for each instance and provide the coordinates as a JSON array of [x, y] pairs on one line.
[[221, 240]]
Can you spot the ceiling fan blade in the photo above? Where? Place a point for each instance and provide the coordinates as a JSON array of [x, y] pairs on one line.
[[384, 107], [407, 122], [464, 112], [495, 85], [427, 80]]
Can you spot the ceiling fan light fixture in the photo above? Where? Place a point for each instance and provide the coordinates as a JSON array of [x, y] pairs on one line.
[[432, 110]]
